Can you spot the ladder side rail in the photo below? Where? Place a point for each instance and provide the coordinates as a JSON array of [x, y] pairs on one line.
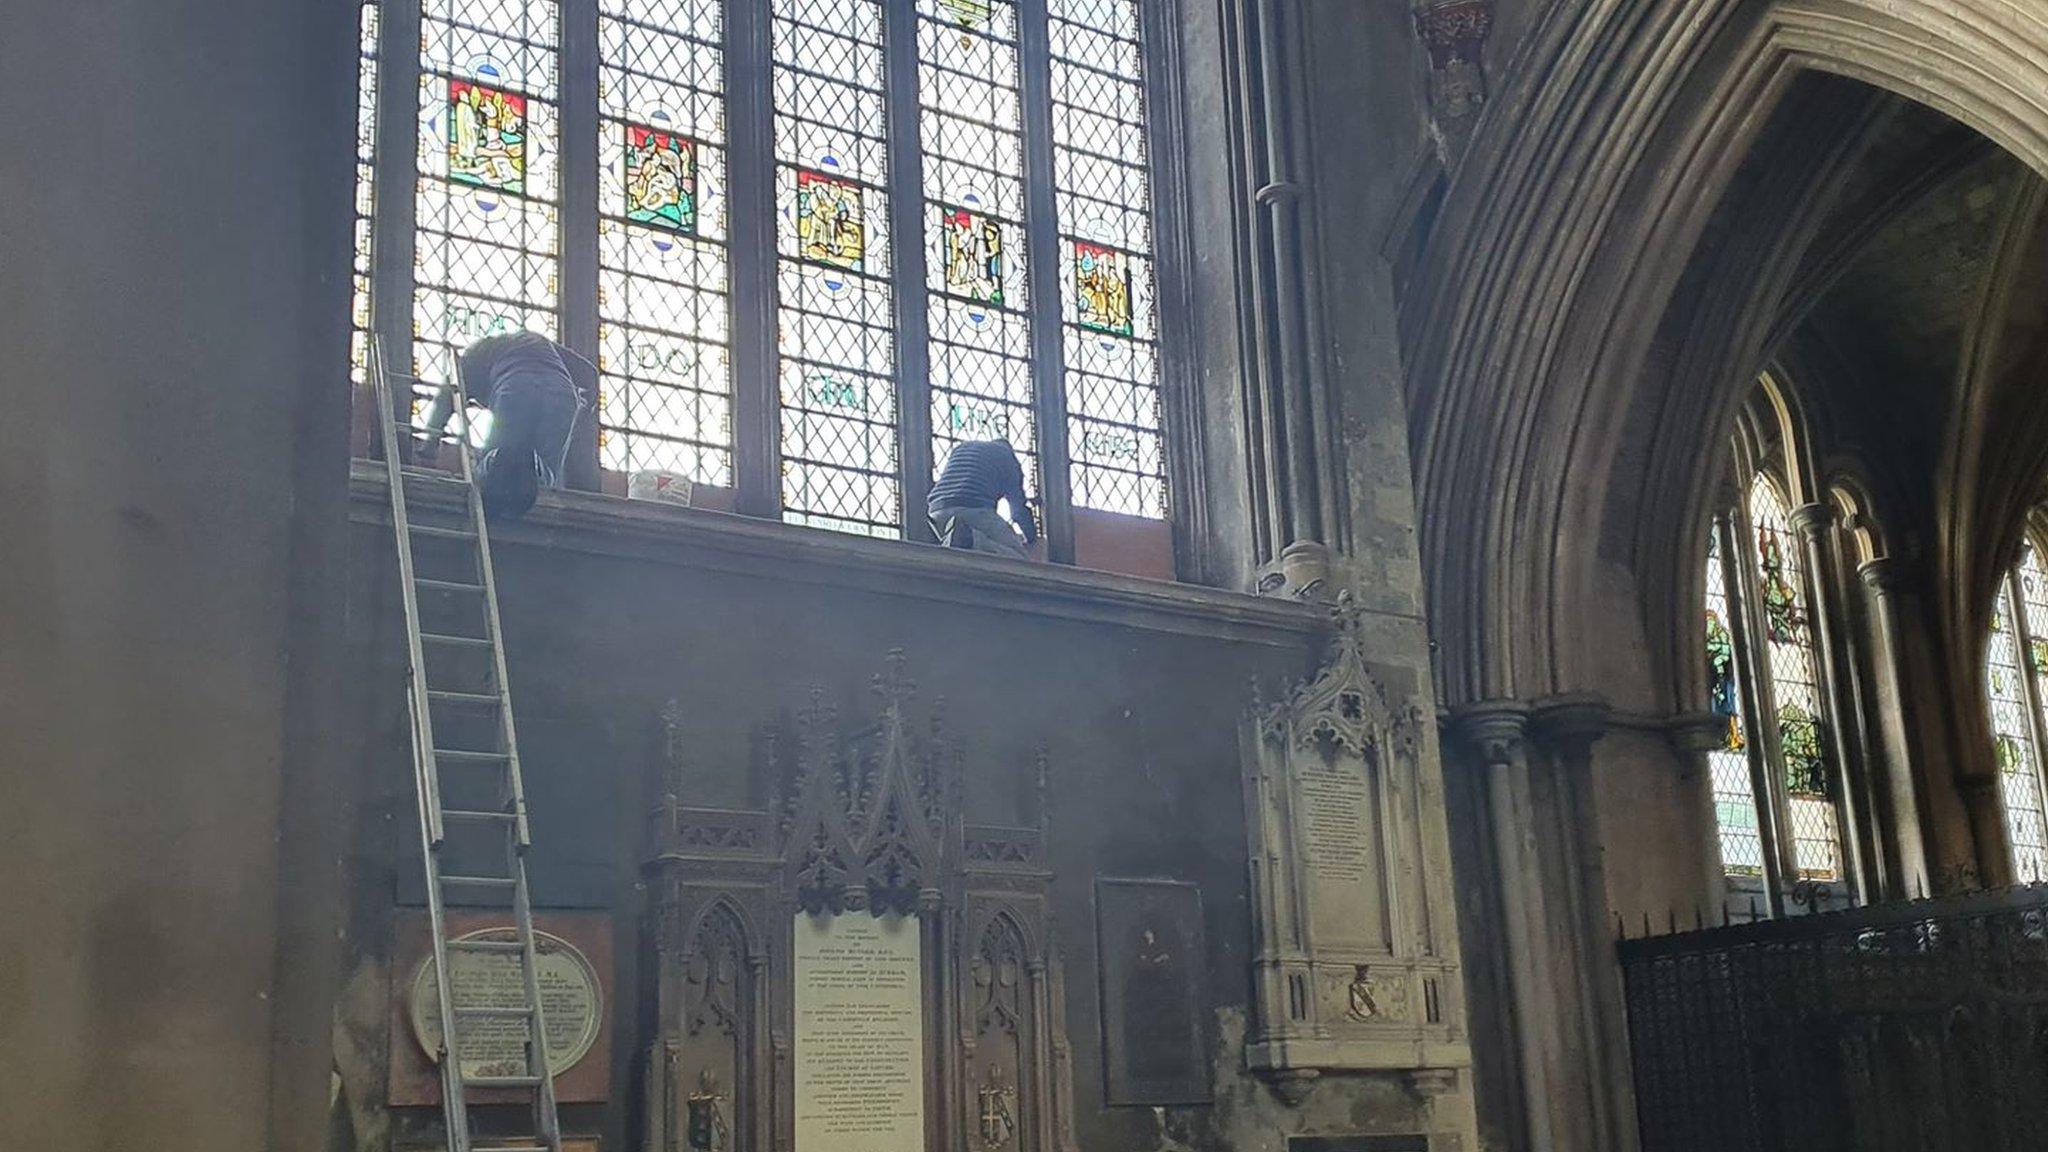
[[455, 1109], [487, 575], [547, 1121], [428, 778]]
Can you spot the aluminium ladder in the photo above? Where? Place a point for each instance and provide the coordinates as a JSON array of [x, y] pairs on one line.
[[488, 808]]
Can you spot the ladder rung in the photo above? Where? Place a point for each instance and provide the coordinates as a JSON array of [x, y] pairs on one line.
[[496, 1013], [499, 947], [478, 699], [501, 1081], [460, 755], [414, 472], [478, 881], [456, 641], [473, 814], [448, 586], [444, 533]]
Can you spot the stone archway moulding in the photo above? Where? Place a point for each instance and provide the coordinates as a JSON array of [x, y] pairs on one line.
[[1560, 245]]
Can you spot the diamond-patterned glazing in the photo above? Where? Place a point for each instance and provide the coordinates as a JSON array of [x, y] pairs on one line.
[[366, 193], [971, 122], [665, 398], [1785, 621], [487, 198], [1107, 276], [1735, 808], [834, 318], [2012, 733]]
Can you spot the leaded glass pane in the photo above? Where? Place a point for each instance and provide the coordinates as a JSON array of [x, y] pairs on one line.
[[663, 270], [971, 121], [2012, 734], [1786, 625], [834, 320], [1735, 809], [366, 193], [487, 199], [1107, 273]]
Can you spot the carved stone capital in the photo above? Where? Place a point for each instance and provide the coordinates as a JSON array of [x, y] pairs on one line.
[[1812, 519], [1885, 574], [1577, 716], [1498, 730], [1699, 731]]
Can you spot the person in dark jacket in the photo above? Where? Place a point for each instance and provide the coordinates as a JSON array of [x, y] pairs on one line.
[[978, 476], [532, 388]]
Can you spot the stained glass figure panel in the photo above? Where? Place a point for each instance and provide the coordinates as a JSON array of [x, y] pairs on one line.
[[664, 269], [1735, 807], [2012, 733], [1787, 627], [971, 123], [368, 29], [836, 379], [486, 203], [1107, 275]]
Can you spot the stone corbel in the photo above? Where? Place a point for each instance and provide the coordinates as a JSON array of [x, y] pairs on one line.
[[1454, 33]]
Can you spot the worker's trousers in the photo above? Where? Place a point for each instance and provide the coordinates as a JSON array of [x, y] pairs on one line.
[[991, 532]]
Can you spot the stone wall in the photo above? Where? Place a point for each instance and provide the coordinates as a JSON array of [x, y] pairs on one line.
[[613, 610], [172, 482]]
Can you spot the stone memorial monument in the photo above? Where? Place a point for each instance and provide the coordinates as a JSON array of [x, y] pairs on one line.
[[1356, 963], [859, 968]]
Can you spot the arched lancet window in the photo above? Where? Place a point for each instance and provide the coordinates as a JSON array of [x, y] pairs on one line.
[[1735, 810], [1776, 775], [810, 244], [1791, 668], [2016, 676]]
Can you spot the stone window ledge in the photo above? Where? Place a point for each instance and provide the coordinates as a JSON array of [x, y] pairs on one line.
[[743, 545]]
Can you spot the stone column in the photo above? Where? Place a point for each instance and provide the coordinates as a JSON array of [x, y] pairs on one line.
[[1897, 810], [1497, 732], [1566, 728], [1812, 522], [1933, 828]]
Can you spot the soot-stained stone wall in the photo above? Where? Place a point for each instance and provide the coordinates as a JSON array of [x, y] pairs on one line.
[[1139, 723]]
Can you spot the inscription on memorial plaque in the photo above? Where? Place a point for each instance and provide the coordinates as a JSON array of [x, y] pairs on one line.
[[1339, 848], [859, 1001], [572, 1005]]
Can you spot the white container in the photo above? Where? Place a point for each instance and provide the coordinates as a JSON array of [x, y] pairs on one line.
[[662, 487]]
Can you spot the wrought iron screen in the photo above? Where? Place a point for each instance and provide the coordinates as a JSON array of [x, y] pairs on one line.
[[1920, 1027]]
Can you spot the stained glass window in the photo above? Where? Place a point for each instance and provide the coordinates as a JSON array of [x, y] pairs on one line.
[[2012, 729], [971, 121], [486, 202], [1789, 648], [663, 311], [1735, 807], [1114, 435], [834, 322], [366, 193], [1035, 276]]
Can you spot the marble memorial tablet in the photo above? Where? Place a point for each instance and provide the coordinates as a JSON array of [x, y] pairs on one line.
[[859, 997], [572, 1005]]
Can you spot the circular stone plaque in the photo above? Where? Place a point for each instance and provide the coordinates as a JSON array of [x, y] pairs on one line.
[[572, 1004]]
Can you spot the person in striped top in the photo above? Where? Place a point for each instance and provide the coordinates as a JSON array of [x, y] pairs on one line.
[[980, 475]]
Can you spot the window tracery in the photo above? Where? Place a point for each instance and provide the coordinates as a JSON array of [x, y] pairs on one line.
[[1777, 774]]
